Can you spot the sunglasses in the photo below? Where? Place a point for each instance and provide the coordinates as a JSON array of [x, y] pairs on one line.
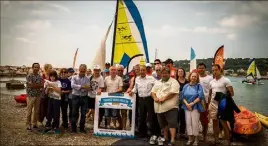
[[65, 72], [119, 70], [157, 63]]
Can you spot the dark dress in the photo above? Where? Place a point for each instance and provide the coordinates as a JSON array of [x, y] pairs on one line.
[[181, 114], [43, 103]]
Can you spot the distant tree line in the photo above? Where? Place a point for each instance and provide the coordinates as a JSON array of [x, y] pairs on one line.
[[231, 63]]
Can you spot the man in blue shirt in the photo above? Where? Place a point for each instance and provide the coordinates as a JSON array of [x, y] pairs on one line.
[[81, 85]]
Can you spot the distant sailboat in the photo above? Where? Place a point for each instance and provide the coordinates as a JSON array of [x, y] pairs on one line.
[[192, 60], [129, 42], [75, 55], [253, 74]]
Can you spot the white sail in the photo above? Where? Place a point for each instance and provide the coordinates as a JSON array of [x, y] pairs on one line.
[[258, 73], [100, 56]]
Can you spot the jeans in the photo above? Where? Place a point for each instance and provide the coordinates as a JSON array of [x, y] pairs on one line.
[[82, 103], [53, 113], [64, 108], [70, 109]]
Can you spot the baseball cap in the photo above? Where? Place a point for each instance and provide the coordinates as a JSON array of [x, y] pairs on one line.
[[148, 65], [107, 63], [96, 67], [71, 70]]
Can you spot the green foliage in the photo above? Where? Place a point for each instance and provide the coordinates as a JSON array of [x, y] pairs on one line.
[[231, 63]]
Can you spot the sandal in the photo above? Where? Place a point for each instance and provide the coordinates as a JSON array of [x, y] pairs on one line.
[[188, 143]]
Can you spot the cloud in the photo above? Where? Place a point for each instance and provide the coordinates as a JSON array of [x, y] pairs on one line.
[[25, 40], [231, 36], [200, 13], [31, 59], [35, 25], [204, 29], [60, 7], [5, 3], [239, 21], [41, 12], [171, 31]]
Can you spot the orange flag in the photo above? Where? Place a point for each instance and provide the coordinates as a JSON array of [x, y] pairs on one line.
[[219, 57], [75, 58]]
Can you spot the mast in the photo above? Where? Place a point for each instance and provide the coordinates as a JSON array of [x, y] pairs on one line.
[[155, 55], [115, 22]]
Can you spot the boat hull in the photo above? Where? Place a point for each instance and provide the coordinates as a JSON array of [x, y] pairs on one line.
[[246, 122], [21, 98]]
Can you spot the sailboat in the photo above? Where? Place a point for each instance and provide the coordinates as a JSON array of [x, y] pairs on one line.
[[129, 46], [253, 74]]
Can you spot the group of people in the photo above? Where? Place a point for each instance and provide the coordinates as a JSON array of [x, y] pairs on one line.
[[167, 103]]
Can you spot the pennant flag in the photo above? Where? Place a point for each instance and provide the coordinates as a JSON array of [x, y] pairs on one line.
[[75, 55], [219, 57], [192, 60]]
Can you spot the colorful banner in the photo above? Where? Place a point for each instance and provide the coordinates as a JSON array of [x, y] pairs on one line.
[[219, 57], [118, 103]]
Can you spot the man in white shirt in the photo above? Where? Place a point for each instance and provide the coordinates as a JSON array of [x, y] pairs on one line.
[[218, 84], [113, 84], [204, 81], [143, 87], [96, 86], [165, 94]]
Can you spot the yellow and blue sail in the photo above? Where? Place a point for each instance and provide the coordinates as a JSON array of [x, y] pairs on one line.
[[252, 68], [129, 36]]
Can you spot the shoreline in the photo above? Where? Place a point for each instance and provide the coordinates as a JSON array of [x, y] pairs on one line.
[[13, 131]]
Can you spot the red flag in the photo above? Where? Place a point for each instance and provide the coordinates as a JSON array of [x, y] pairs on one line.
[[219, 57], [75, 58]]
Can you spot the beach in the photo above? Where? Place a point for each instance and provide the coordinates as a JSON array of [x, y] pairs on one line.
[[13, 131]]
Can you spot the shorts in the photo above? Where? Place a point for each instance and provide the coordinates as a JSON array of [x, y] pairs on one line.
[[91, 103], [168, 118], [213, 111], [109, 112], [204, 118]]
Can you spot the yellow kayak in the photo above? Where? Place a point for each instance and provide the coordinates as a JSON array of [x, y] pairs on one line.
[[263, 119]]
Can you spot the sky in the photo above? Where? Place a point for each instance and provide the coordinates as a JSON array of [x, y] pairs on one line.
[[50, 32]]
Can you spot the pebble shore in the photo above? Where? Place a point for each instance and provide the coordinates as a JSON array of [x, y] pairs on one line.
[[13, 131]]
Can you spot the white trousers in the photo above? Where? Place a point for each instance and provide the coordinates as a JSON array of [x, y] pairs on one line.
[[192, 122]]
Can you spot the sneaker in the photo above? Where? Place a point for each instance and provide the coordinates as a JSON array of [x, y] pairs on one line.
[[35, 127], [83, 131], [195, 143], [28, 128], [46, 130], [57, 131], [188, 142], [160, 140], [171, 144], [153, 139]]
